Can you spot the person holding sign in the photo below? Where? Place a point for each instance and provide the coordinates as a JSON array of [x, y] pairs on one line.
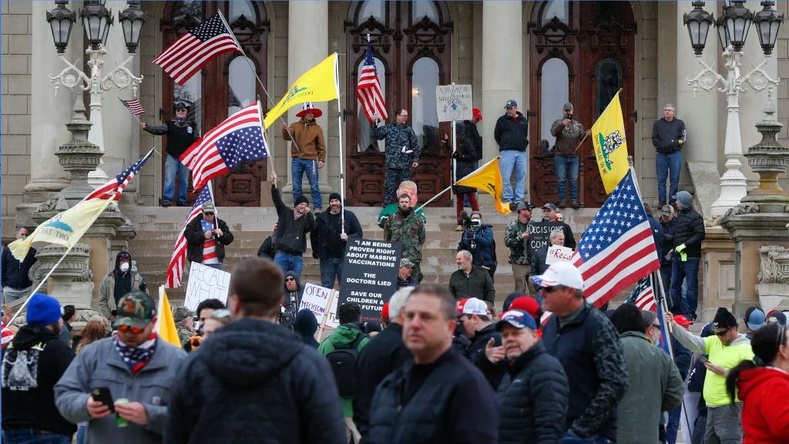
[[540, 259], [516, 238], [407, 227], [401, 153], [329, 238]]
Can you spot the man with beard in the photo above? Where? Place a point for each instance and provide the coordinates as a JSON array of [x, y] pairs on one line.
[[329, 239], [307, 151], [293, 224], [290, 300], [32, 364], [407, 227], [118, 283], [401, 152], [135, 366]]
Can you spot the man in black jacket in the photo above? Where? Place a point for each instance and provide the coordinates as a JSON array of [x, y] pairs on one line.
[[441, 397], [668, 137], [480, 329], [32, 364], [254, 380], [533, 393], [293, 224], [512, 135], [206, 237], [16, 280], [330, 236], [688, 235], [268, 248]]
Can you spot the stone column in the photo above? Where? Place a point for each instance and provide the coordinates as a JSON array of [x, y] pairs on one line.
[[308, 32]]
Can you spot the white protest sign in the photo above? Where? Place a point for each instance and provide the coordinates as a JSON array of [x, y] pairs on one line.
[[558, 254], [315, 298], [453, 102], [205, 283]]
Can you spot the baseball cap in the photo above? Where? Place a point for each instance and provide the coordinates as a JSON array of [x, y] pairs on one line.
[[512, 103], [666, 209], [568, 106], [406, 263], [524, 206], [755, 318], [527, 304], [549, 206], [560, 273], [472, 306], [208, 207], [135, 309], [682, 321], [518, 319]]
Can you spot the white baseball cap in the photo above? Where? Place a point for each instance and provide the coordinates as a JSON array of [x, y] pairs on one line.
[[560, 273], [473, 306]]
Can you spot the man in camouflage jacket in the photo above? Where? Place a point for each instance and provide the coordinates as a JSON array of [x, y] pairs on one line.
[[401, 154], [516, 238], [407, 227]]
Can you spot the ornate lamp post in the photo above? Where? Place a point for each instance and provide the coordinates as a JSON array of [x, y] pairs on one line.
[[96, 21], [732, 26]]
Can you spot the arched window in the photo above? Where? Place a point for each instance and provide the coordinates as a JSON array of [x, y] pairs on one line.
[[559, 9], [424, 117], [241, 84], [363, 134], [609, 79], [555, 91]]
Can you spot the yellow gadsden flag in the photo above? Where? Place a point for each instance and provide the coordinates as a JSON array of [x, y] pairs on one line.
[[319, 84], [610, 145], [65, 228], [165, 323], [488, 179]]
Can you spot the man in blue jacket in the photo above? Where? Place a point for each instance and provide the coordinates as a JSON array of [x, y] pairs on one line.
[[16, 279]]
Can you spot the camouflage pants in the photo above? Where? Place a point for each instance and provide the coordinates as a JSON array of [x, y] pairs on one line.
[[392, 181]]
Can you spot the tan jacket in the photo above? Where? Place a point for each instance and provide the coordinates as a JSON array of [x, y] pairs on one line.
[[309, 138], [107, 292]]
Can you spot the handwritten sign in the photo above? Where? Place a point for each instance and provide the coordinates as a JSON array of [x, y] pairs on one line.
[[540, 233], [558, 254], [369, 275], [453, 102], [206, 283], [316, 298]]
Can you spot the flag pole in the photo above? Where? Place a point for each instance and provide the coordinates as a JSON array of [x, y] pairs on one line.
[[341, 147], [434, 197], [211, 192]]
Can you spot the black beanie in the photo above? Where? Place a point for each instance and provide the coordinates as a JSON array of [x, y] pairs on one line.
[[724, 319], [333, 196], [300, 200], [628, 318]]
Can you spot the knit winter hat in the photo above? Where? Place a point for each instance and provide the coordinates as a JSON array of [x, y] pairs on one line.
[[43, 310], [333, 196], [724, 319], [300, 200], [684, 199]]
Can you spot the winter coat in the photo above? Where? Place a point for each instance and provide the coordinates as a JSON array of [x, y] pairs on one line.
[[402, 147], [308, 135], [589, 348], [32, 363], [764, 393], [179, 137], [666, 135], [305, 325], [466, 162], [533, 397], [520, 251], [291, 301], [447, 401], [269, 247], [689, 230], [480, 243], [567, 137], [512, 134], [476, 354], [654, 386], [195, 236], [325, 238], [477, 284], [253, 380], [410, 231], [472, 133], [100, 365], [108, 303], [385, 353], [15, 273], [291, 233], [669, 229], [342, 336], [657, 234]]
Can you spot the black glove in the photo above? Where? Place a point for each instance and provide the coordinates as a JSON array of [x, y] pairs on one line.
[[143, 286], [455, 155]]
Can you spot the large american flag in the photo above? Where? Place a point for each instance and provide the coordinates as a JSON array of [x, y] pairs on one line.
[[133, 106], [617, 248], [175, 270], [238, 139], [115, 186], [368, 90], [193, 50], [643, 296]]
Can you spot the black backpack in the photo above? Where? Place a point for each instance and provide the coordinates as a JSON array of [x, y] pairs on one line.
[[343, 364]]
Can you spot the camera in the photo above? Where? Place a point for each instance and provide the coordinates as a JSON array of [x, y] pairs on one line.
[[465, 220], [287, 318]]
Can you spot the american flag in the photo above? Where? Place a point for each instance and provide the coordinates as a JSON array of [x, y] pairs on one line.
[[617, 248], [193, 50], [643, 296], [133, 106], [238, 139], [368, 90], [114, 187], [175, 270]]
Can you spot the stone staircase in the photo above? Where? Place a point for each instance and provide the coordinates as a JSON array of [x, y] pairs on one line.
[[158, 227]]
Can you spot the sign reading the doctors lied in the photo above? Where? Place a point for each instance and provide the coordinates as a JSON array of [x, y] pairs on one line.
[[369, 275], [540, 233]]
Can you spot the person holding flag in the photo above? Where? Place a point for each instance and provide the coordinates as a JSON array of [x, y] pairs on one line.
[[206, 237], [307, 151]]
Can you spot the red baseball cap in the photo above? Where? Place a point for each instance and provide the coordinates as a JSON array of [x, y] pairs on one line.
[[527, 304], [682, 321]]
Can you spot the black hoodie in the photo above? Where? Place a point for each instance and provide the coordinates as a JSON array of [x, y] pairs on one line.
[[32, 364], [255, 381]]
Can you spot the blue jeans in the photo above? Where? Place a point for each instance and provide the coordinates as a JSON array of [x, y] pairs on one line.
[[289, 262], [300, 166], [681, 271], [668, 163], [33, 436], [331, 267], [510, 161], [567, 168], [673, 425], [173, 166]]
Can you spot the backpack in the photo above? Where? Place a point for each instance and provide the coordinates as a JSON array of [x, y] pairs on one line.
[[343, 364]]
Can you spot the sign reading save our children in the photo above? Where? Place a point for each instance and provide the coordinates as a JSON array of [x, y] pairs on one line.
[[558, 253], [369, 275]]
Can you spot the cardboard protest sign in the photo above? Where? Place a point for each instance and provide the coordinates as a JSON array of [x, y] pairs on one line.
[[205, 283], [558, 254], [540, 232], [453, 102], [316, 298], [369, 275]]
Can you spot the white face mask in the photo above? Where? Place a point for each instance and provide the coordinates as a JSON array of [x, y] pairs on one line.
[[124, 267]]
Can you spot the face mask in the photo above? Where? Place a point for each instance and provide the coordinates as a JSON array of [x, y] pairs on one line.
[[476, 222], [124, 267]]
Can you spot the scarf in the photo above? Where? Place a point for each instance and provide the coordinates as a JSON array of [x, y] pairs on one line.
[[296, 214], [136, 357]]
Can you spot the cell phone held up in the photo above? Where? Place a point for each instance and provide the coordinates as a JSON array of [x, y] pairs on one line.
[[103, 395]]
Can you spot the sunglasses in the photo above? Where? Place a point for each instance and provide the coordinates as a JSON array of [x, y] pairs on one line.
[[551, 289], [289, 279], [209, 213], [130, 329], [722, 332]]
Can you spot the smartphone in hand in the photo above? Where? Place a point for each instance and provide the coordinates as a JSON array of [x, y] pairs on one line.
[[103, 395]]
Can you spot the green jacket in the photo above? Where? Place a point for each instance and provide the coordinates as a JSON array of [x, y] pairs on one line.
[[520, 253], [410, 231], [342, 336], [477, 284]]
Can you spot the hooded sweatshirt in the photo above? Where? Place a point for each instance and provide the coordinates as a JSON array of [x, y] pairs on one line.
[[253, 380], [116, 284], [305, 325], [32, 364], [292, 299], [340, 337], [764, 392]]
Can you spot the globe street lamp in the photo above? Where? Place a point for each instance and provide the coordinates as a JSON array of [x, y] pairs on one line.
[[732, 27], [96, 21]]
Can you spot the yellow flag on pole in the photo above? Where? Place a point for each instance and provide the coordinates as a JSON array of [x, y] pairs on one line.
[[165, 322], [65, 228], [610, 144], [488, 179], [319, 84]]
